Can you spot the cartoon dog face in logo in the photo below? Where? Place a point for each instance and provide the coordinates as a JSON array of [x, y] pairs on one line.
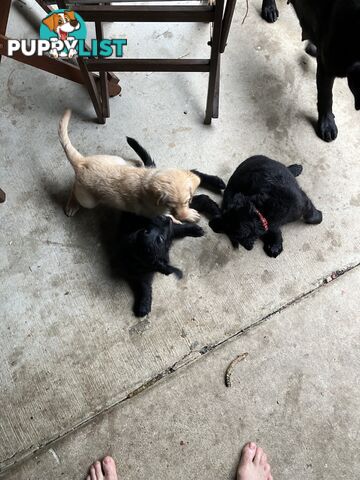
[[62, 24]]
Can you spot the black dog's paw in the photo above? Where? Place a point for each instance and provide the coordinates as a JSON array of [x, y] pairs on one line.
[[218, 183], [195, 231], [178, 273], [327, 129], [235, 243], [315, 218], [141, 309], [198, 202], [270, 13], [273, 250], [295, 169]]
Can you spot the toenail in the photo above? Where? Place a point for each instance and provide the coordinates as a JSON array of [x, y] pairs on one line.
[[107, 460], [252, 445]]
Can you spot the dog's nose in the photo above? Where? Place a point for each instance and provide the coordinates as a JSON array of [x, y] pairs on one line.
[[74, 23]]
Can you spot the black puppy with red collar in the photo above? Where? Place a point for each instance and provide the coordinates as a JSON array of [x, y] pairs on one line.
[[262, 195]]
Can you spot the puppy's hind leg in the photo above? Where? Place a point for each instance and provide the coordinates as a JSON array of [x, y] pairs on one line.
[[210, 182], [72, 205], [142, 289], [295, 169], [310, 213], [269, 11]]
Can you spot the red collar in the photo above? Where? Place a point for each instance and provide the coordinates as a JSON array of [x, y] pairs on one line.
[[263, 220]]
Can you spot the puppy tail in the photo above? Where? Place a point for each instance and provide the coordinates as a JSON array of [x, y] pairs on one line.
[[74, 157], [295, 169], [143, 154]]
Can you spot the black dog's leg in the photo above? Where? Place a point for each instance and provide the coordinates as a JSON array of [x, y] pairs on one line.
[[273, 242], [269, 11], [142, 289], [167, 269], [310, 213], [204, 204], [327, 129], [187, 230], [210, 182]]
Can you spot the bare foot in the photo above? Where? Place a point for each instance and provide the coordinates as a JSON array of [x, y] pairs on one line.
[[253, 464], [106, 470]]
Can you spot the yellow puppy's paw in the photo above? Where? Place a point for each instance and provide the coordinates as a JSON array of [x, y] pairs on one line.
[[193, 216], [174, 220], [70, 210]]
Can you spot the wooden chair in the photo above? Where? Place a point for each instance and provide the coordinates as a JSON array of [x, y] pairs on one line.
[[106, 84]]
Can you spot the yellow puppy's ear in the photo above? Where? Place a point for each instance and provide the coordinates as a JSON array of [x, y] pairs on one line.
[[195, 182], [51, 22], [162, 198]]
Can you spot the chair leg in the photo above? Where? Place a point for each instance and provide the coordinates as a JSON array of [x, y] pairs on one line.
[[4, 16], [104, 86], [228, 15], [92, 89], [44, 5], [217, 91], [214, 63]]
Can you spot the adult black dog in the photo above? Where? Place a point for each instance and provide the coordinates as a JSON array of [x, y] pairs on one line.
[[139, 247], [333, 26], [261, 196]]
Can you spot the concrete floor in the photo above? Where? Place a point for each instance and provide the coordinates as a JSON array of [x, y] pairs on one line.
[[76, 366]]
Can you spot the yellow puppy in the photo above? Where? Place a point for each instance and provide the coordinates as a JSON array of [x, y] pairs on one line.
[[109, 180]]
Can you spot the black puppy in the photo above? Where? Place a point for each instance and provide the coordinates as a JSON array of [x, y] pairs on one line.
[[333, 26], [261, 196], [139, 247]]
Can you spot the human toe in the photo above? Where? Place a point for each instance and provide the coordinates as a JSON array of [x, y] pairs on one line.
[[248, 453], [258, 455], [109, 468]]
